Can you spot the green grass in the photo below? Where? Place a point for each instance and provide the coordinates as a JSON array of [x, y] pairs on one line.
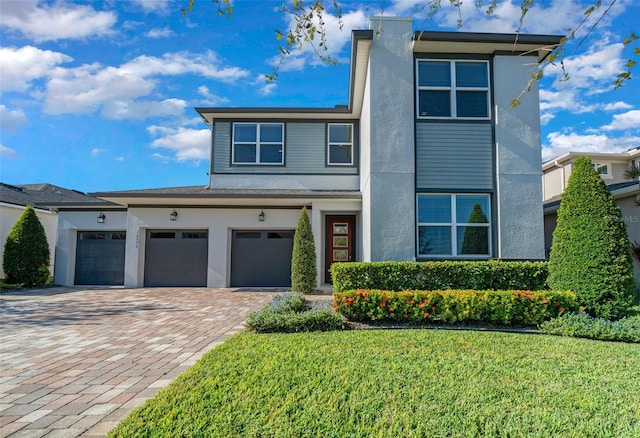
[[402, 383]]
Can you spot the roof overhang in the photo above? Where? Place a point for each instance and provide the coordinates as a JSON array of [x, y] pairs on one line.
[[485, 43], [607, 157], [204, 197], [618, 193], [360, 45]]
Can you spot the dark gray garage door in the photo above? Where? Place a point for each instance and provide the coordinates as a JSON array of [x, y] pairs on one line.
[[261, 258], [100, 257], [176, 258]]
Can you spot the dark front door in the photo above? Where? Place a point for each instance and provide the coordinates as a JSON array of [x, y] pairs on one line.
[[340, 241]]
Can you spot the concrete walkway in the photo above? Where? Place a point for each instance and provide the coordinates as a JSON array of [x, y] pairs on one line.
[[76, 361]]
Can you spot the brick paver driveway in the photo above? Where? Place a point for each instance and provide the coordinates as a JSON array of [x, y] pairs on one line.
[[74, 361]]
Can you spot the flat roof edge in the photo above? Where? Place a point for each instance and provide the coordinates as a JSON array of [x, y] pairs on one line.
[[475, 37]]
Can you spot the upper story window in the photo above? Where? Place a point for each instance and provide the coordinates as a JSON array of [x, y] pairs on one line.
[[340, 144], [602, 169], [454, 225], [453, 89], [258, 143]]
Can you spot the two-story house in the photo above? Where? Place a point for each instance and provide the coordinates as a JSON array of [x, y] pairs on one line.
[[613, 168], [428, 160]]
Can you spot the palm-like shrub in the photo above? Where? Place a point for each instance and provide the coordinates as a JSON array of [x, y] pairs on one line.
[[590, 252], [303, 259], [26, 252]]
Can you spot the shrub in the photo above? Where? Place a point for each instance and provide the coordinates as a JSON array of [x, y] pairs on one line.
[[26, 252], [479, 275], [303, 259], [581, 325], [451, 306], [590, 251], [287, 314]]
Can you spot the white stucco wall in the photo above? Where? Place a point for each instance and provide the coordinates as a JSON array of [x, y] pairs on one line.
[[9, 214], [390, 189], [69, 223], [518, 160]]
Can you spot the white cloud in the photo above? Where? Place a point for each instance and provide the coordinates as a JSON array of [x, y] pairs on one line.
[[628, 120], [212, 99], [560, 143], [119, 158], [117, 90], [336, 40], [42, 22], [615, 106], [19, 67], [186, 144], [97, 151], [158, 6], [7, 152], [11, 119], [265, 87], [158, 32]]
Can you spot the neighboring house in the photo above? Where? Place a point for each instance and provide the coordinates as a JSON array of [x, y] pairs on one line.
[[428, 160], [612, 169], [14, 199]]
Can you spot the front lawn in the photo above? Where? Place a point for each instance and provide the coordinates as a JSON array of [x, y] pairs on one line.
[[402, 383]]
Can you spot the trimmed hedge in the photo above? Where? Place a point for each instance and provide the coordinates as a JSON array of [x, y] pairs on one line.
[[287, 314], [478, 275], [581, 325], [451, 306]]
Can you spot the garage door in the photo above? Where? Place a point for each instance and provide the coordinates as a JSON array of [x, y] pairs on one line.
[[176, 258], [261, 258], [100, 257]]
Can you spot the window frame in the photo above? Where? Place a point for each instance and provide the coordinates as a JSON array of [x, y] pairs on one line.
[[606, 175], [454, 225], [453, 89], [330, 143], [258, 144]]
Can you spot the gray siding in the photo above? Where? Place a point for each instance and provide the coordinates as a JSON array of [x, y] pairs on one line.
[[454, 156], [305, 151]]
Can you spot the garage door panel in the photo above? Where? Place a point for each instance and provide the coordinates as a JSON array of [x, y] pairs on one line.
[[261, 258], [176, 258], [100, 258]]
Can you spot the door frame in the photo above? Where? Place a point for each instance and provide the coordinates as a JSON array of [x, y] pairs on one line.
[[351, 219]]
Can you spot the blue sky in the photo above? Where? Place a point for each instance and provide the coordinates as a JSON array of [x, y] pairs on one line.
[[99, 96]]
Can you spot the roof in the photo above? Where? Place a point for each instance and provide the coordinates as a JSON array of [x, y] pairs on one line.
[[45, 195], [202, 195], [622, 189], [485, 43], [607, 156]]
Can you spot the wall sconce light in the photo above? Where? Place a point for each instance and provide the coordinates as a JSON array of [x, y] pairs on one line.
[[174, 215], [101, 218], [261, 216]]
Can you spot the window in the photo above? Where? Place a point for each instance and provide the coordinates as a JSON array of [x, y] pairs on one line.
[[258, 143], [453, 89], [454, 225], [340, 144], [602, 169]]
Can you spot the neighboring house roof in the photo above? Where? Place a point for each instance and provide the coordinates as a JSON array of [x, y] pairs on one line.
[[202, 195], [617, 190], [608, 156], [46, 196]]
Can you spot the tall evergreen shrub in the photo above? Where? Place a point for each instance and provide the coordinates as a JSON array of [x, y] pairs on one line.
[[303, 260], [26, 252], [590, 252]]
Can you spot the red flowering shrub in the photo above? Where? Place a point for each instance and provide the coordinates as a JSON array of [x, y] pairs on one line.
[[451, 306]]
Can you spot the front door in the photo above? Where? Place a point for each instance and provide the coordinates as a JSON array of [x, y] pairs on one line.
[[340, 241]]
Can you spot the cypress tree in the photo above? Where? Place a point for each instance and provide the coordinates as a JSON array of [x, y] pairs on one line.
[[590, 251], [303, 259], [26, 252]]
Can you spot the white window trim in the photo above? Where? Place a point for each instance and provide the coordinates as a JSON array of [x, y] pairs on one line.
[[453, 89], [607, 175], [258, 143], [453, 224], [329, 144]]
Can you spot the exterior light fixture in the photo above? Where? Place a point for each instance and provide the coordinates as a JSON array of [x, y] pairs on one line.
[[101, 218], [261, 216], [174, 215]]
